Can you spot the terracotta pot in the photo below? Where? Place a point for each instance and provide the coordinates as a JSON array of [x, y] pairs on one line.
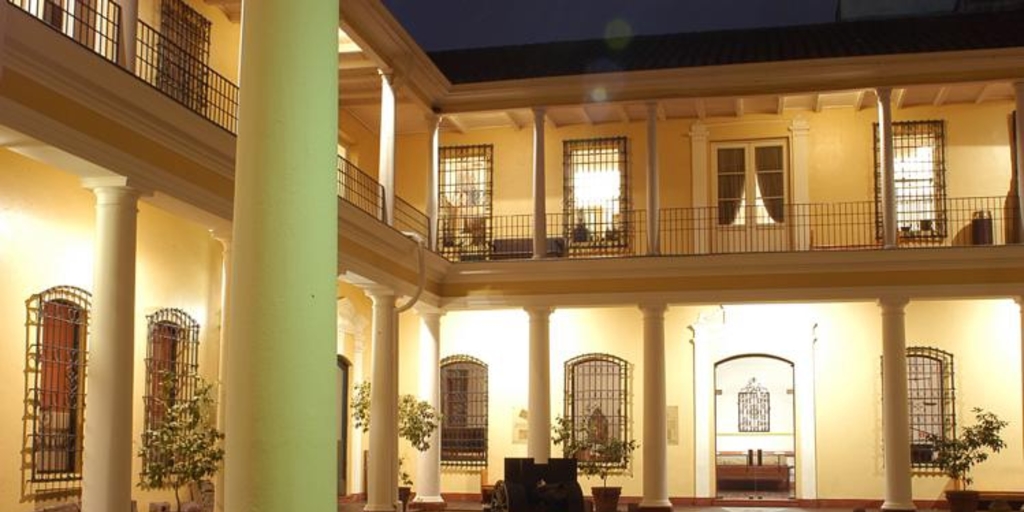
[[606, 499], [962, 501]]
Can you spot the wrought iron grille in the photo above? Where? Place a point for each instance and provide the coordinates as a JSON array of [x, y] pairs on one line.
[[57, 324], [754, 402], [931, 393], [598, 398], [596, 193], [172, 364], [920, 175], [184, 52], [464, 406], [94, 24], [464, 199]]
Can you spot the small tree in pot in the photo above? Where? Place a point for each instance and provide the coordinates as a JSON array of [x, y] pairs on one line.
[[958, 456], [417, 421], [597, 454], [184, 448]]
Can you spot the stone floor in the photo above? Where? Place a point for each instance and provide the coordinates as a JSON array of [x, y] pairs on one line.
[[467, 506]]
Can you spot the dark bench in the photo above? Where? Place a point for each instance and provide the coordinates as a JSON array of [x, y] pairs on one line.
[[522, 248], [744, 477]]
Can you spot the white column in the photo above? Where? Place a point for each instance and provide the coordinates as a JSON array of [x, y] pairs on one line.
[[895, 414], [108, 449], [382, 488], [538, 441], [1018, 87], [888, 167], [428, 469], [540, 230], [386, 168], [703, 218], [129, 27], [433, 176], [655, 440], [704, 335], [281, 357], [653, 186], [798, 214], [225, 305]]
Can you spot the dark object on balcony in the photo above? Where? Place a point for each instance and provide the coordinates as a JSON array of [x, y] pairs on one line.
[[922, 453], [522, 248], [981, 228], [532, 487]]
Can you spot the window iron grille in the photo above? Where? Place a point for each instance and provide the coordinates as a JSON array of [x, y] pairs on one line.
[[57, 323], [465, 199], [931, 393], [920, 178], [598, 398], [172, 364], [464, 402], [596, 193], [754, 403], [184, 52]]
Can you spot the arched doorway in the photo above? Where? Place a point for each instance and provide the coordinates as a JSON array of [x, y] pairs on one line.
[[755, 428], [342, 382]]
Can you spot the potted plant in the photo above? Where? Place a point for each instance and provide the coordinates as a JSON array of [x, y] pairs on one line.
[[417, 421], [957, 456], [184, 448], [597, 454]]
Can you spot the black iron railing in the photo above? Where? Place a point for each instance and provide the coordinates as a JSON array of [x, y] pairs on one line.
[[94, 25], [410, 220], [360, 189], [970, 221], [186, 79]]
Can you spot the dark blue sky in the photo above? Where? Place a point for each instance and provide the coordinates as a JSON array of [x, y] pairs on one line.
[[449, 24]]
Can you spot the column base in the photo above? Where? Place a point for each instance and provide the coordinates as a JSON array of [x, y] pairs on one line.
[[428, 503], [654, 506], [898, 507]]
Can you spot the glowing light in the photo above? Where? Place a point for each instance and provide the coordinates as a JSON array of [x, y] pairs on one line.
[[599, 94], [618, 33]]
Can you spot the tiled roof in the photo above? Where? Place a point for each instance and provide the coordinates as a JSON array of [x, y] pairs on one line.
[[843, 39]]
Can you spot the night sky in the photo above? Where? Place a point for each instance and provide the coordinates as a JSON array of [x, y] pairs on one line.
[[450, 24]]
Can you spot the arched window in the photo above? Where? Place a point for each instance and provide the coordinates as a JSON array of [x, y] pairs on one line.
[[931, 394], [57, 322], [597, 396], [172, 362], [464, 406]]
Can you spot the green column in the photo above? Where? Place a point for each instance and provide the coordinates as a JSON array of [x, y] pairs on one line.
[[280, 377]]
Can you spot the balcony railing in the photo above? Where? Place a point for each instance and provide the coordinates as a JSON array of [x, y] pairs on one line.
[[360, 189], [158, 61], [973, 221], [410, 220], [94, 25], [175, 72]]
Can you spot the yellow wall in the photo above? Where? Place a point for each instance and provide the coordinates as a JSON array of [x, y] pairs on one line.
[[983, 335], [46, 239], [840, 156]]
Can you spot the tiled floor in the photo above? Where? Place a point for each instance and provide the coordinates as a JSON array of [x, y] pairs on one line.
[[463, 506]]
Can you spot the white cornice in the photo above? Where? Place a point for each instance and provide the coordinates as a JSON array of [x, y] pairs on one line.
[[787, 77]]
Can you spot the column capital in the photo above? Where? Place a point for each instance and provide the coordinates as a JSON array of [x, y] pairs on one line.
[[433, 120], [699, 130], [893, 303], [121, 183], [884, 94], [539, 112], [654, 308], [378, 292], [424, 310], [533, 311], [799, 126]]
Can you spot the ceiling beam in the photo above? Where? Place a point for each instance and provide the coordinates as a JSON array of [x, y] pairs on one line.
[[620, 109], [454, 121], [817, 102], [660, 111], [353, 61], [983, 95], [900, 94], [940, 97], [512, 119], [700, 108], [586, 115], [780, 105], [738, 107], [858, 104]]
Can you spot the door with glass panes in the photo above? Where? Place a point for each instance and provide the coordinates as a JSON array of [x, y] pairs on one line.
[[750, 195]]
